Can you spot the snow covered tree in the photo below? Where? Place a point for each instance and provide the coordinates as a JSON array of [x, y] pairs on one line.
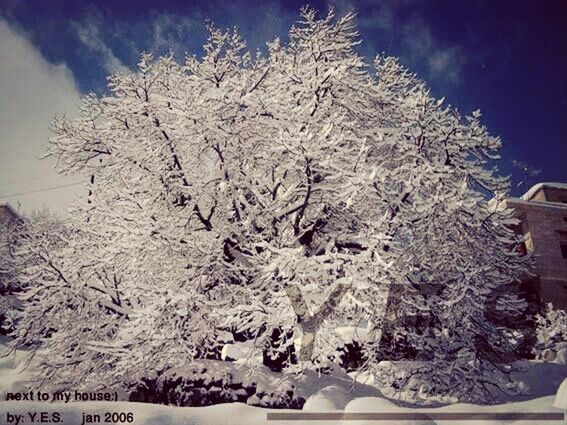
[[551, 328], [32, 242], [285, 192]]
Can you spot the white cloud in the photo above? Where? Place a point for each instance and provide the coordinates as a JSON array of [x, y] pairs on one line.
[[33, 91], [169, 29], [447, 62], [417, 42], [89, 34], [420, 46], [159, 34]]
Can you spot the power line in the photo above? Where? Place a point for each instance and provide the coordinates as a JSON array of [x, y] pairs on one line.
[[39, 190], [27, 180]]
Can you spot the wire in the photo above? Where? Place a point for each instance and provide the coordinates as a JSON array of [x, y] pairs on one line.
[[40, 190]]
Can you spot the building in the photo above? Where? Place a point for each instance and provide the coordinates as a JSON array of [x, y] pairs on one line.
[[543, 214], [8, 215], [8, 218]]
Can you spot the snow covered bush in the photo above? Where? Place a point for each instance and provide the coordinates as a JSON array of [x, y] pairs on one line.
[[206, 382], [283, 191], [551, 329]]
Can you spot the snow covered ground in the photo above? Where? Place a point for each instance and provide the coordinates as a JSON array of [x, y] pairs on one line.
[[14, 370], [241, 414], [328, 394]]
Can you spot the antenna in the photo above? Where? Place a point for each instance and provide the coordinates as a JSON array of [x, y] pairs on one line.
[[528, 172]]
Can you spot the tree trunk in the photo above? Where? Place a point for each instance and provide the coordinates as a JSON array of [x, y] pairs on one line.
[[310, 323], [307, 340]]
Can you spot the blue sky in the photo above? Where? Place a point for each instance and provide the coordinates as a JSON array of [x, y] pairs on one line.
[[508, 58]]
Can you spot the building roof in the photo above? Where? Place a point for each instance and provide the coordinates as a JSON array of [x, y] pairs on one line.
[[11, 209], [535, 204], [536, 188]]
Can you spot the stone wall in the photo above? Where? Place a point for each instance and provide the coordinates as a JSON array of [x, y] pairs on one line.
[[544, 225], [551, 194]]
